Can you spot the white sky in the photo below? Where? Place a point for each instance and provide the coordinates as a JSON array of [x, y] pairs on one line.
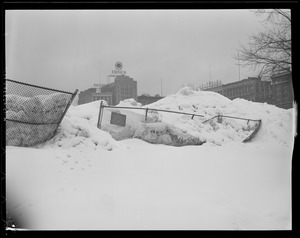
[[73, 49]]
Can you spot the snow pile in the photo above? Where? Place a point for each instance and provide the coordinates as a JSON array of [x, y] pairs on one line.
[[163, 133], [129, 103], [133, 122], [40, 109], [37, 109], [199, 130], [84, 179], [210, 104], [160, 127], [79, 130], [149, 129]]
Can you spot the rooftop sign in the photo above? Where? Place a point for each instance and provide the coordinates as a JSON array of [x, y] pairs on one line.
[[118, 70], [118, 65]]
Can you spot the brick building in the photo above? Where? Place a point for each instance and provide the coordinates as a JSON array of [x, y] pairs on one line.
[[279, 91], [122, 87], [252, 88], [282, 90], [93, 94]]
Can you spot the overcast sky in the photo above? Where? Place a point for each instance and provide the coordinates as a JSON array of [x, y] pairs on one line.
[[73, 49]]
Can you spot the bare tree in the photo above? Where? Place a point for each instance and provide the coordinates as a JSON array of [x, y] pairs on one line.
[[270, 50]]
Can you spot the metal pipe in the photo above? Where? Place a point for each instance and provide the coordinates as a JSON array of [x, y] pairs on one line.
[[66, 109], [154, 109], [99, 115], [36, 86]]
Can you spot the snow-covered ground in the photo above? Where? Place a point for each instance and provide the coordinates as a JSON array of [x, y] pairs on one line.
[[84, 179]]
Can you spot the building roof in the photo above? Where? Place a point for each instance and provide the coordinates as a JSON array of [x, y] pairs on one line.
[[243, 81]]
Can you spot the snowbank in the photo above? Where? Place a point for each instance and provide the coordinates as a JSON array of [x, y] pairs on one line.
[[79, 126], [84, 179], [79, 130], [276, 126], [163, 133]]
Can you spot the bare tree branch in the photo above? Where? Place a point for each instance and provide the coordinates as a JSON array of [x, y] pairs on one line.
[[270, 49]]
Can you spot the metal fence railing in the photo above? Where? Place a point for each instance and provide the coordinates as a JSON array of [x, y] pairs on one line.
[[33, 113], [127, 122], [254, 128]]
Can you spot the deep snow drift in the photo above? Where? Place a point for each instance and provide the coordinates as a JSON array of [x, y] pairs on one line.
[[169, 128], [84, 179]]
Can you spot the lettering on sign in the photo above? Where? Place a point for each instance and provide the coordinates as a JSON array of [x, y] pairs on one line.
[[121, 72], [118, 119]]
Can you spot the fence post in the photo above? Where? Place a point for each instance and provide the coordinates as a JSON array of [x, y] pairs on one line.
[[99, 115], [146, 114], [66, 109]]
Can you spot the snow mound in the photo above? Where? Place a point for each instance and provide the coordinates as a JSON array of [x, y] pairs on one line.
[[129, 103], [79, 127], [276, 122], [139, 185], [162, 133], [185, 91], [78, 130]]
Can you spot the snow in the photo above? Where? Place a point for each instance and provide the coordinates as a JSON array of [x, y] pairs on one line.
[[84, 179], [38, 109]]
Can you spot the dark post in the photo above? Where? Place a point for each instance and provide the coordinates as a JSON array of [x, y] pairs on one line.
[[146, 114], [99, 116], [66, 109]]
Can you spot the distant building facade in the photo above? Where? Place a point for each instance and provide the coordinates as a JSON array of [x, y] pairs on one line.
[[147, 99], [282, 90], [252, 89], [214, 86], [94, 94], [122, 87], [279, 91]]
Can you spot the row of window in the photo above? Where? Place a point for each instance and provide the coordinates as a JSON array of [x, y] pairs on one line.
[[126, 90]]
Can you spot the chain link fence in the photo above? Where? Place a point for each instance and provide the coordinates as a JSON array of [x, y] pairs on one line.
[[33, 113], [145, 123]]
